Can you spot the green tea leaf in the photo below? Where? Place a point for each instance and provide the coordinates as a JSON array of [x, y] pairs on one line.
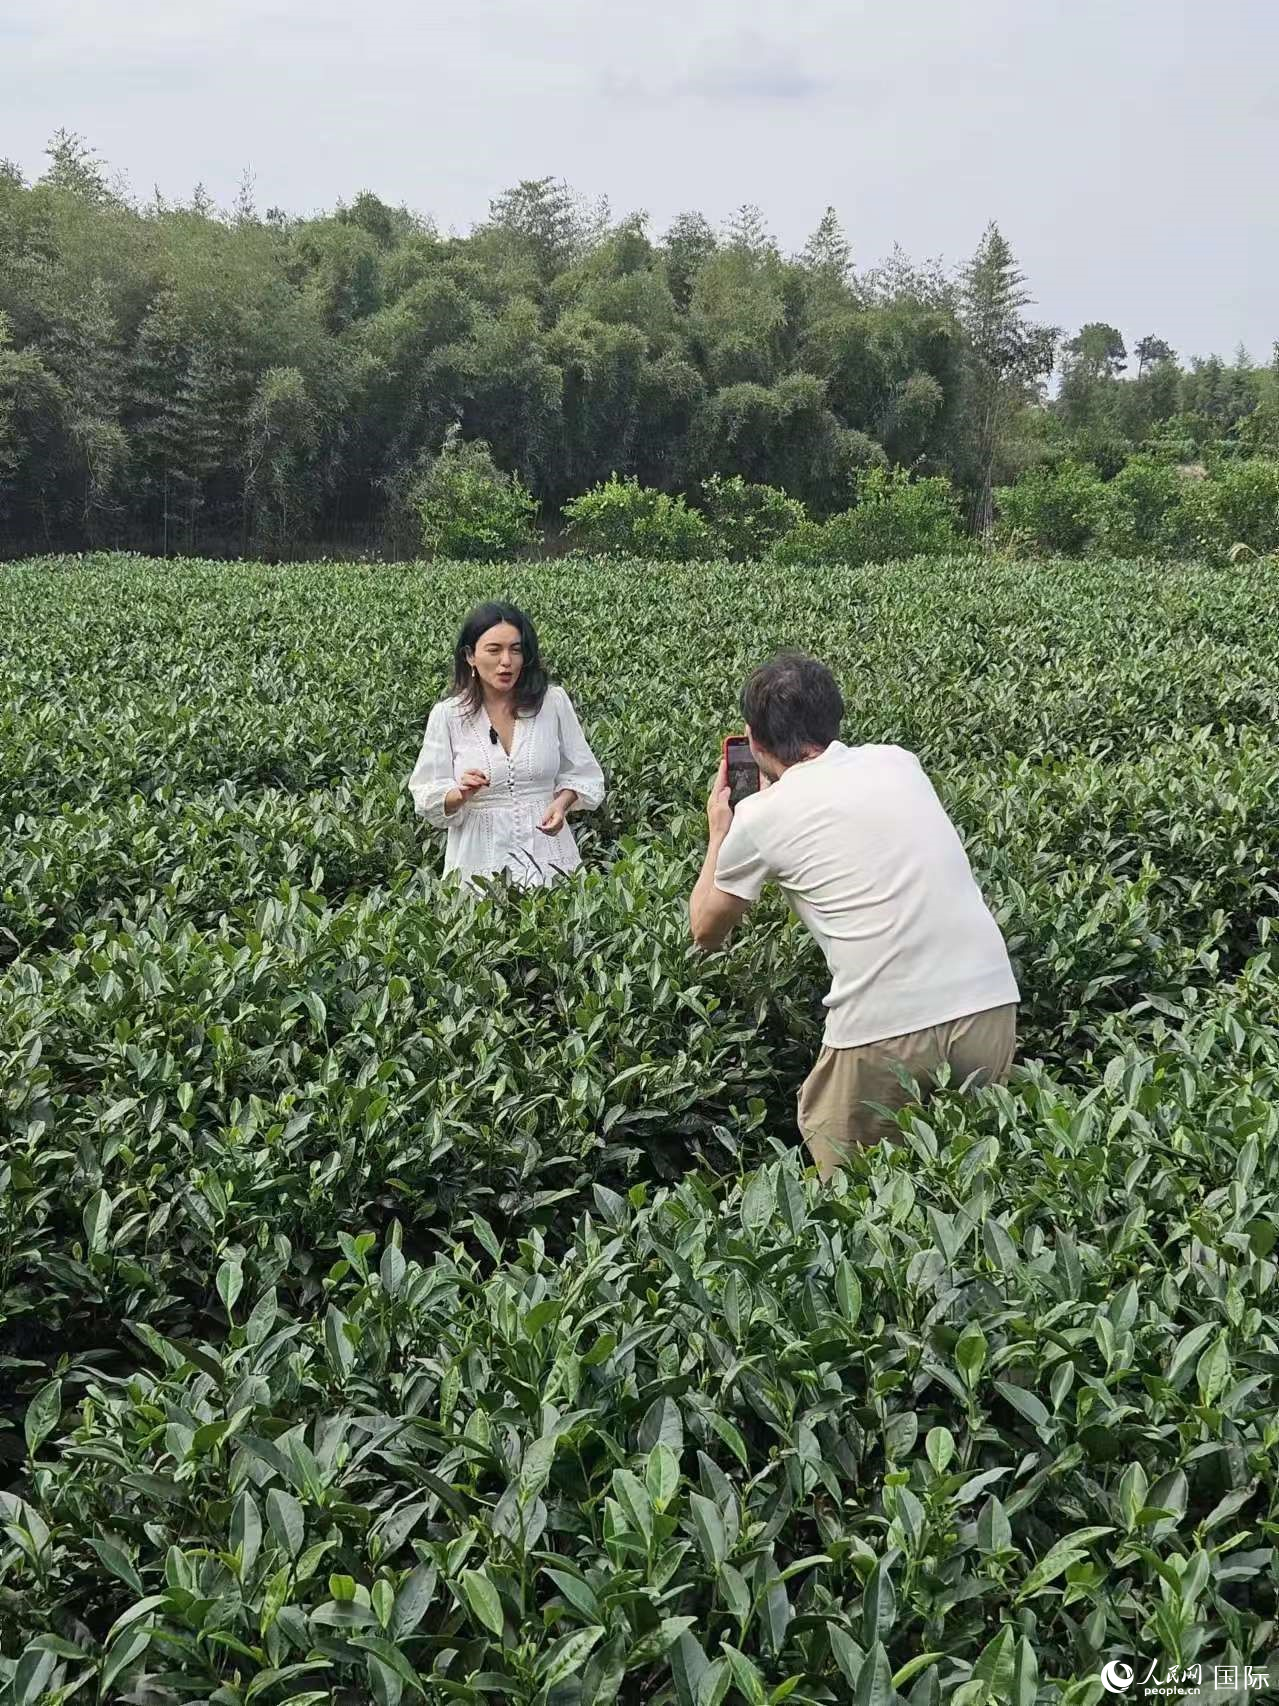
[[1213, 1371], [662, 1426], [875, 1678], [482, 1600], [1058, 1559], [411, 1601], [758, 1202], [746, 1679], [43, 1415], [708, 1525], [1025, 1403], [117, 1561], [246, 1531], [879, 1606], [970, 1353], [940, 1446], [230, 1283], [340, 1352], [97, 1221], [567, 1656], [663, 1476], [286, 1521]]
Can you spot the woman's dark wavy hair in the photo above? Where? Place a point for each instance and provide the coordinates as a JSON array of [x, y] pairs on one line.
[[531, 687]]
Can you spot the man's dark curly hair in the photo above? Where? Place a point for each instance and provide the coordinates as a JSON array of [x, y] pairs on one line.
[[791, 705]]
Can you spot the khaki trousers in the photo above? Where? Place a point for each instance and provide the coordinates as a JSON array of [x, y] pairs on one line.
[[834, 1113]]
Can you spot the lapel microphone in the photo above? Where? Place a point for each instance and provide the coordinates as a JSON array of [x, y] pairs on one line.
[[492, 737]]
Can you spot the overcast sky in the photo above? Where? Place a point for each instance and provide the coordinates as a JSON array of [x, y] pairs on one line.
[[1127, 147]]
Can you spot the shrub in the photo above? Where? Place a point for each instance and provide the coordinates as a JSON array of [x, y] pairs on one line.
[[623, 518], [1239, 505], [1144, 510], [1102, 448], [895, 517], [469, 509], [1181, 438], [1258, 433], [748, 520], [1057, 510]]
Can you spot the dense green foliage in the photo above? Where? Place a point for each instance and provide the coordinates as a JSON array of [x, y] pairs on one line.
[[176, 377], [621, 517], [467, 509], [748, 521], [1057, 509], [403, 1296], [1148, 508], [895, 516]]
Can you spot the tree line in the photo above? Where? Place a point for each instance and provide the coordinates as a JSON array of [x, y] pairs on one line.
[[179, 377]]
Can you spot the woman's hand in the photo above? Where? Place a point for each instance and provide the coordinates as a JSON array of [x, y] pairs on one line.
[[465, 788], [557, 811]]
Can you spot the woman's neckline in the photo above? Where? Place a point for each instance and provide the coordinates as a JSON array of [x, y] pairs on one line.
[[517, 720]]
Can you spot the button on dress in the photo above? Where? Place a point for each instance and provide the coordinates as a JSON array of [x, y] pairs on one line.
[[495, 832]]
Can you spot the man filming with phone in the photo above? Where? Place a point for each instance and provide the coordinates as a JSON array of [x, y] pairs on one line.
[[862, 848]]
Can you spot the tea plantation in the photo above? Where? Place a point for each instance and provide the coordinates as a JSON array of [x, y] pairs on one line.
[[404, 1297]]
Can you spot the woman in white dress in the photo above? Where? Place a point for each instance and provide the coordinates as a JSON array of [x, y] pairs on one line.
[[504, 761]]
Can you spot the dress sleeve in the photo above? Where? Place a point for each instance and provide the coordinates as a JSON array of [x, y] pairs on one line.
[[432, 776], [741, 869], [578, 767]]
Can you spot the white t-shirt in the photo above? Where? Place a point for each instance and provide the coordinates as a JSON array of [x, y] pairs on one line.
[[868, 859]]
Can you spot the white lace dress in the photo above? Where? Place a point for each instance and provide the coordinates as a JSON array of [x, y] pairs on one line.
[[495, 831]]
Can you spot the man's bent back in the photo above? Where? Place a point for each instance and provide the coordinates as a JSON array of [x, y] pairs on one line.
[[861, 846]]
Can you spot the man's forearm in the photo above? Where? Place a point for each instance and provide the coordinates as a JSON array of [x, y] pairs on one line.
[[700, 908]]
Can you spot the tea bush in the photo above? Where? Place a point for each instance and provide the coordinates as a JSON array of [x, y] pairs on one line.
[[748, 520], [895, 516], [1055, 509], [468, 508], [410, 1297], [623, 518], [1144, 510], [1241, 504]]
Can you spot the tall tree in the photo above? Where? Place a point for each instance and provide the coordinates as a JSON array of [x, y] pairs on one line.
[[541, 219], [688, 244], [1008, 357], [32, 405], [1091, 363], [748, 231], [828, 252], [283, 433], [84, 352], [1097, 351], [1150, 350], [74, 167]]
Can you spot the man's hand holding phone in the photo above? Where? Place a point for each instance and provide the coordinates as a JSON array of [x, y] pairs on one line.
[[719, 810]]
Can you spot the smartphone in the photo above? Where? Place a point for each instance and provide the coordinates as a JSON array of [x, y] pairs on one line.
[[743, 772]]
